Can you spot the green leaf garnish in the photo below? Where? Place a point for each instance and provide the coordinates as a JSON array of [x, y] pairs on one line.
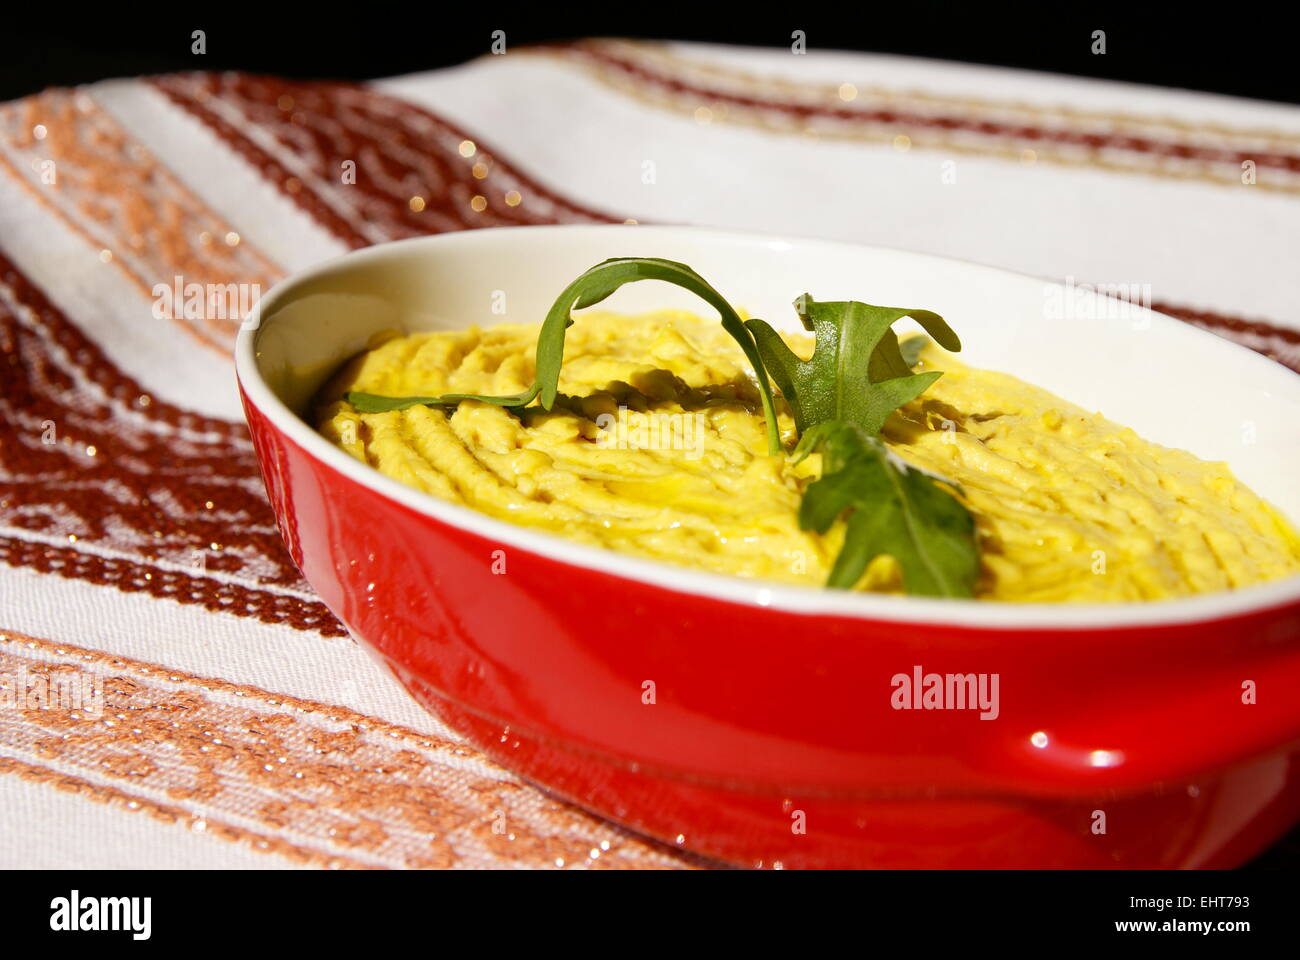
[[588, 290], [840, 397], [897, 511], [374, 403], [857, 371]]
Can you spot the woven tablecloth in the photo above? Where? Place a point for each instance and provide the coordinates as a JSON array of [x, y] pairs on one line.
[[174, 692]]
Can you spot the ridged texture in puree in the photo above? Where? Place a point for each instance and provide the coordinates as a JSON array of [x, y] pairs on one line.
[[1068, 506]]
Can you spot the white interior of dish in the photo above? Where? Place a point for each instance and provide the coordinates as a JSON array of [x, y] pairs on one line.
[[1174, 384]]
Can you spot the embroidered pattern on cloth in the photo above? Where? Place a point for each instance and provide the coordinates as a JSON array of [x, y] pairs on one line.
[[1122, 143], [316, 783]]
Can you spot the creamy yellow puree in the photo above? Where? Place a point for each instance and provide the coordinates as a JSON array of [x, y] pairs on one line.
[[1068, 506]]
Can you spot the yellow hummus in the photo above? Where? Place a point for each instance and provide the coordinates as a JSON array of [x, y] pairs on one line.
[[657, 447]]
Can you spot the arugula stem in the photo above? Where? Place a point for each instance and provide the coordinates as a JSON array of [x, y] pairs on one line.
[[587, 290]]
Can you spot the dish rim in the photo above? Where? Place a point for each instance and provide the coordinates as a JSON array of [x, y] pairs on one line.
[[787, 598]]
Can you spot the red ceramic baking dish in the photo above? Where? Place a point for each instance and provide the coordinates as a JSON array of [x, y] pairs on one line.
[[754, 722]]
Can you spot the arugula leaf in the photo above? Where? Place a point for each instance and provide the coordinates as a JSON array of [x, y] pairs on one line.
[[857, 371], [587, 290], [841, 396], [898, 511]]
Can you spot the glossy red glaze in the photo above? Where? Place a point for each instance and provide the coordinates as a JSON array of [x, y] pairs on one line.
[[766, 720]]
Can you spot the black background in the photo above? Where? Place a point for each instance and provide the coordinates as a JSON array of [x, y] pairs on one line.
[[917, 913], [1224, 48]]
